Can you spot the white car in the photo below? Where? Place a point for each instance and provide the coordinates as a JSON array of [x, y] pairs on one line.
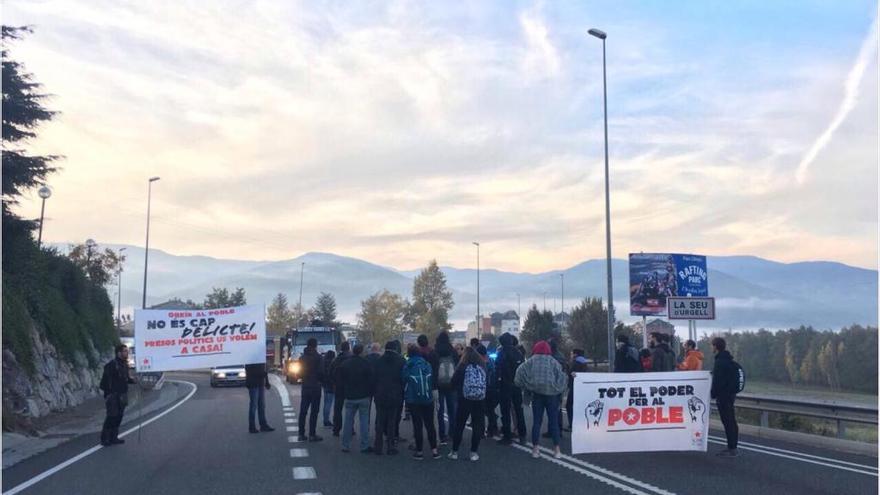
[[227, 375]]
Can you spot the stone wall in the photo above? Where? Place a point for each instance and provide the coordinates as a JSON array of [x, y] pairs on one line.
[[55, 385]]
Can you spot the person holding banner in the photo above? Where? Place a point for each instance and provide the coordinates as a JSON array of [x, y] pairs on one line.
[[114, 384], [255, 379], [542, 376]]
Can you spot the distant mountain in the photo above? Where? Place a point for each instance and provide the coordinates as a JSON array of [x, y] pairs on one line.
[[751, 292]]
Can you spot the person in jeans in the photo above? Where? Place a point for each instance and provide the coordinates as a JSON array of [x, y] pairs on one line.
[[724, 388], [357, 375], [509, 395], [338, 386], [311, 373], [418, 378], [542, 376], [388, 395], [327, 384], [114, 384], [257, 382], [447, 398], [469, 381]]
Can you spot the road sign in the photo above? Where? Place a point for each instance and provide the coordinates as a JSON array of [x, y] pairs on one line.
[[691, 308]]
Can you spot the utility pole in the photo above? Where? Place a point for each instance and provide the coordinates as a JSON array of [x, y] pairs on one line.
[[147, 243]]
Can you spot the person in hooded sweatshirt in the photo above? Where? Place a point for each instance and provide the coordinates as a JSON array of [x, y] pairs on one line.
[[509, 395], [312, 374], [418, 394], [724, 388], [447, 360], [662, 357], [542, 376], [388, 396], [339, 386], [578, 365], [693, 358]]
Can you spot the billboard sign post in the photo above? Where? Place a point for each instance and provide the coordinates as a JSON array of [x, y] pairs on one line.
[[653, 277]]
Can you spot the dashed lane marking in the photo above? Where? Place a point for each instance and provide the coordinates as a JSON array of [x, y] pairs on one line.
[[299, 453], [289, 420], [289, 414], [304, 473], [293, 429], [294, 439]]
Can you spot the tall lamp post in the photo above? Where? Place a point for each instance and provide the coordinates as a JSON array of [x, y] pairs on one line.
[[44, 193], [302, 268], [147, 244], [119, 293], [479, 315], [562, 295], [601, 35]]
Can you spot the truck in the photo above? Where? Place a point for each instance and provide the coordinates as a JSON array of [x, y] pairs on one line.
[[328, 339]]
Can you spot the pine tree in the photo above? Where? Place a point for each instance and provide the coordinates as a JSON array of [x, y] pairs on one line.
[[325, 309], [279, 317], [432, 301]]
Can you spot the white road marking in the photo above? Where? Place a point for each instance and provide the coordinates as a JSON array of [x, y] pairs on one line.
[[290, 414], [281, 389], [59, 467], [299, 453], [304, 473], [289, 420], [801, 459], [293, 439], [794, 452], [293, 429]]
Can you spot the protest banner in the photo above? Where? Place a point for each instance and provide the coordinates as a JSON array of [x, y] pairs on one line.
[[641, 412], [169, 340]]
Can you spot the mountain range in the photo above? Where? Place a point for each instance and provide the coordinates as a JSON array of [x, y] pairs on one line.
[[750, 292]]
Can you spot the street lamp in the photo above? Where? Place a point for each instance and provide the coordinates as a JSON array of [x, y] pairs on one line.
[[119, 292], [147, 248], [44, 193], [479, 323], [601, 35], [562, 290]]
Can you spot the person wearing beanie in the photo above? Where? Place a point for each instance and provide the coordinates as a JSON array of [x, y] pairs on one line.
[[388, 396], [491, 403], [509, 359], [542, 376]]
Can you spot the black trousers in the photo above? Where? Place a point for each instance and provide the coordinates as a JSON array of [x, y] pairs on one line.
[[115, 407], [423, 416], [338, 404], [511, 402], [475, 409], [386, 425], [310, 403], [728, 419], [492, 399], [569, 403]]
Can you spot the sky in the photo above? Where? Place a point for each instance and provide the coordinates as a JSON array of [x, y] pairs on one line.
[[400, 132]]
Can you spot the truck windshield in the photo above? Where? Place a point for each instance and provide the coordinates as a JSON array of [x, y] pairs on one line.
[[323, 338]]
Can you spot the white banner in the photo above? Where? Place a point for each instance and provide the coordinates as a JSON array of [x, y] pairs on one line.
[[641, 412], [167, 339]]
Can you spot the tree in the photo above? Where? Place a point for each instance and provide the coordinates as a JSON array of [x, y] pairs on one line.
[[325, 309], [221, 298], [279, 317], [23, 112], [100, 267], [432, 301], [539, 325], [381, 317], [588, 328]]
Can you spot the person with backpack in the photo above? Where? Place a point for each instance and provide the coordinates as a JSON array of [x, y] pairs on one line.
[[312, 374], [578, 365], [339, 389], [727, 380], [447, 398], [328, 385], [491, 392], [509, 395], [645, 359], [626, 358], [693, 359], [418, 381], [469, 381], [662, 357], [543, 378], [388, 396]]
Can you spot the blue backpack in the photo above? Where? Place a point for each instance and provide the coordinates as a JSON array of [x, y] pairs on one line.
[[417, 381]]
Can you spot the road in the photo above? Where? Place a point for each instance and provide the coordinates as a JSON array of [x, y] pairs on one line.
[[202, 446]]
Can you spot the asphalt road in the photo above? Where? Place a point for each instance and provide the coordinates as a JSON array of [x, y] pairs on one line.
[[203, 446]]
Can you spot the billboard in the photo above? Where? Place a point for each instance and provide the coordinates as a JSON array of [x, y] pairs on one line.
[[641, 412], [655, 276], [173, 339]]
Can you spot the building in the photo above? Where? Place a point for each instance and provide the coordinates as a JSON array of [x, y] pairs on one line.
[[459, 337], [562, 320], [509, 323], [655, 325]]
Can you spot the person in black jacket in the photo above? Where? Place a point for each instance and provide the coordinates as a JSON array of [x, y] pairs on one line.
[[626, 357], [339, 390], [388, 396], [510, 396], [447, 398], [557, 355], [471, 363], [724, 389], [256, 379], [114, 384], [357, 375], [328, 384], [312, 373], [578, 365]]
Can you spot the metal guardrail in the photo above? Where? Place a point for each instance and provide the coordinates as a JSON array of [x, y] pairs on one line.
[[840, 413]]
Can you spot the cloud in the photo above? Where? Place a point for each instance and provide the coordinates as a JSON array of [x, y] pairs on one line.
[[867, 54]]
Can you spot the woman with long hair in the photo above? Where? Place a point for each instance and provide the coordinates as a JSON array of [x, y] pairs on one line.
[[469, 381]]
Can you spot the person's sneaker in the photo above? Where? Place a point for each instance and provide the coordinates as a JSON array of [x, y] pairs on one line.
[[444, 440], [315, 438], [393, 452], [368, 450], [557, 454], [435, 455], [536, 454], [412, 446], [253, 430], [505, 441], [418, 456], [301, 438], [728, 453], [117, 441], [475, 456], [452, 455], [266, 428]]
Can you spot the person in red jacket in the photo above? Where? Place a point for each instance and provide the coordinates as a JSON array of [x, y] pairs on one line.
[[693, 359]]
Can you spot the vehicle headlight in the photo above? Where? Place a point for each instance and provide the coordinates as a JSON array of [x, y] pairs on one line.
[[295, 367], [221, 375]]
